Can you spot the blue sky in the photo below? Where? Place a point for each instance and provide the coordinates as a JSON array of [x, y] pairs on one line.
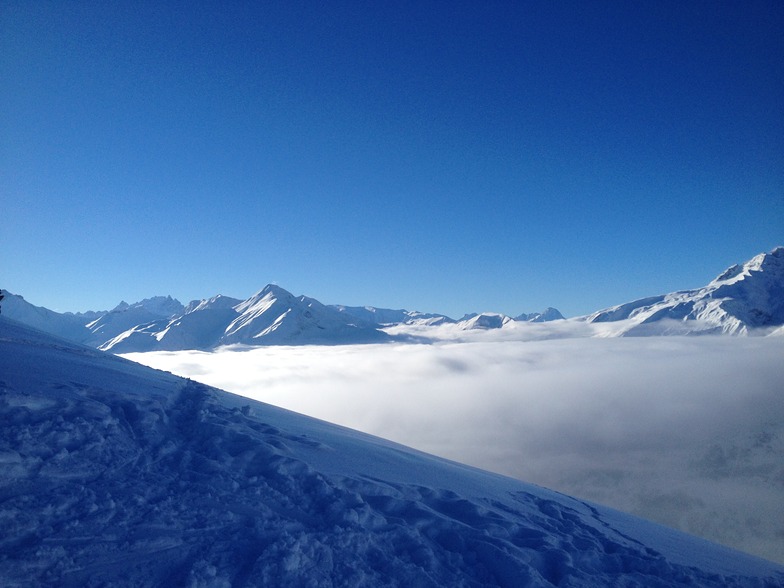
[[441, 156]]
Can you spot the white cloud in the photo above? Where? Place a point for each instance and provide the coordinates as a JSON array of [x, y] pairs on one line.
[[688, 431]]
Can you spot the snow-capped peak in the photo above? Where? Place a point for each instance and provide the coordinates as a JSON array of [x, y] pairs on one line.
[[764, 262], [262, 300], [163, 306], [219, 301], [485, 320], [275, 316], [548, 314]]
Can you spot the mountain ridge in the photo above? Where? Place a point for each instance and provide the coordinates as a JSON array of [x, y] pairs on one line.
[[271, 316], [744, 299]]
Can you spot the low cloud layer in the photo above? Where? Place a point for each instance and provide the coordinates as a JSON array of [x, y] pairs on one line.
[[686, 431]]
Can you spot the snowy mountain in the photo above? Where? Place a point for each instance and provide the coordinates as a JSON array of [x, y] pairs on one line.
[[493, 320], [743, 298], [116, 474], [485, 320], [548, 314], [200, 327], [272, 316], [127, 316], [91, 328], [386, 316], [156, 306], [69, 326]]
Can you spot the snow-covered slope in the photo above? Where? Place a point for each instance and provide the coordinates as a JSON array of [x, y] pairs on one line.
[[91, 328], [69, 326], [127, 316], [115, 474], [743, 298], [202, 325]]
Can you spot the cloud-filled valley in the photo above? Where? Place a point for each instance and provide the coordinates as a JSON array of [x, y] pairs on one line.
[[683, 430]]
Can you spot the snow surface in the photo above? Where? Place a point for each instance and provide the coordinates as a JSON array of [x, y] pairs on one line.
[[115, 474]]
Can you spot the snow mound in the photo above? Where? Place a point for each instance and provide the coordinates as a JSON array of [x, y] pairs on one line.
[[114, 473], [741, 300]]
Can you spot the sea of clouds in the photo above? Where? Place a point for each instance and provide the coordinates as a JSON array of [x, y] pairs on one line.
[[687, 431]]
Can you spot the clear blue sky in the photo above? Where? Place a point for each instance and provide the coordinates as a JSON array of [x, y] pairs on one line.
[[440, 156]]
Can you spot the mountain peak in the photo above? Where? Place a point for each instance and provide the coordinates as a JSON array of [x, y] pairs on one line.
[[742, 298], [121, 307], [274, 290], [485, 320], [163, 306], [729, 273], [771, 262], [768, 261], [219, 301], [548, 314]]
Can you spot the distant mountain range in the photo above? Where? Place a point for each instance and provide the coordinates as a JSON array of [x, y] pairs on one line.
[[272, 316], [743, 298]]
